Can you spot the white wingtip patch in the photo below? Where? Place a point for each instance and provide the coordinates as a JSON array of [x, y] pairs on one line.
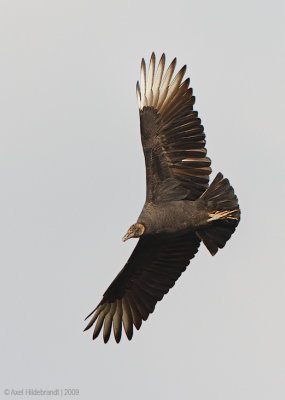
[[156, 90]]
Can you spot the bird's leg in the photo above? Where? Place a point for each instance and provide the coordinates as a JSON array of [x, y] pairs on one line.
[[222, 215]]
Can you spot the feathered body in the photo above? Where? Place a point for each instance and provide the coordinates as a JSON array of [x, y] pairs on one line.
[[164, 218], [180, 210]]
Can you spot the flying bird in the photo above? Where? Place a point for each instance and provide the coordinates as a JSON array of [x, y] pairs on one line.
[[181, 210]]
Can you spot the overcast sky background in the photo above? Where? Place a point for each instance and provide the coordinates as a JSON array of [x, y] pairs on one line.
[[72, 181]]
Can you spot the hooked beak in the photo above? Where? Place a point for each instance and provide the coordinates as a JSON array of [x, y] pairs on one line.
[[127, 236]]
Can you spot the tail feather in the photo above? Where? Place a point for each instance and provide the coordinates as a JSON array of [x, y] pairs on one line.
[[224, 214]]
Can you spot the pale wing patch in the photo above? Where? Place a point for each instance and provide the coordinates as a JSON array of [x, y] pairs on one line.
[[156, 90]]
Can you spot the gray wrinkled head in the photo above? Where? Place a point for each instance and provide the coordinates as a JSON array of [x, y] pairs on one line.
[[136, 230]]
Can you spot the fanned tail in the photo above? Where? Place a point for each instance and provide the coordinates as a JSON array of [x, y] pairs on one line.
[[223, 212]]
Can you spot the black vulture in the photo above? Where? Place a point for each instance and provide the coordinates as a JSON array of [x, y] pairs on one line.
[[180, 209]]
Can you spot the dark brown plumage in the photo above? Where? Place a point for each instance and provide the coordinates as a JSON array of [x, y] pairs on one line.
[[180, 210]]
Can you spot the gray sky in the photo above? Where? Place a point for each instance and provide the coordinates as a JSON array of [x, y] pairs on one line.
[[72, 181]]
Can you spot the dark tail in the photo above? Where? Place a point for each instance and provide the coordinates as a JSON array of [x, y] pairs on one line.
[[224, 214]]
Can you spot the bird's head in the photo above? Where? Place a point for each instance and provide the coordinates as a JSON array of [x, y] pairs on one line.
[[135, 231]]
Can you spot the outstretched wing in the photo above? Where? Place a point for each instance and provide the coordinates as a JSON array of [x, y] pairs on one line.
[[172, 136], [150, 272]]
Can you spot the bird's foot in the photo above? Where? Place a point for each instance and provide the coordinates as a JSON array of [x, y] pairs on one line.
[[222, 215]]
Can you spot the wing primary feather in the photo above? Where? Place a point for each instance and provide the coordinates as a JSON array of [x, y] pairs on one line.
[[100, 320], [136, 315], [150, 75], [157, 80], [95, 309], [173, 88], [117, 321], [165, 84], [127, 318], [143, 84], [177, 99], [184, 105], [98, 326], [93, 319], [108, 322], [138, 94]]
